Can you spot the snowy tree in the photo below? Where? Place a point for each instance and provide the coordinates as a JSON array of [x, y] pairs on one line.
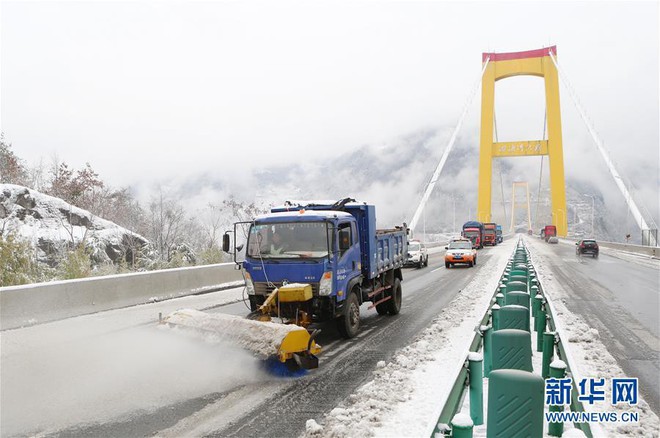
[[12, 170], [80, 188]]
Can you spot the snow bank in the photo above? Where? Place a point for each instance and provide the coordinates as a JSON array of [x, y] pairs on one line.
[[406, 395]]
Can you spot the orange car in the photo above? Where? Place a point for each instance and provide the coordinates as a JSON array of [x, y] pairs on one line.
[[460, 251]]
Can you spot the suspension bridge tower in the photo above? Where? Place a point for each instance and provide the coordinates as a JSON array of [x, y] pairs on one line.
[[505, 65]]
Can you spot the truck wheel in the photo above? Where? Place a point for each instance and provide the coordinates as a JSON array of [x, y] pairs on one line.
[[348, 323], [394, 305], [474, 263], [447, 264]]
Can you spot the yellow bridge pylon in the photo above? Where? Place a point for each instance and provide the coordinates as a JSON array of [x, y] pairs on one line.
[[502, 66]]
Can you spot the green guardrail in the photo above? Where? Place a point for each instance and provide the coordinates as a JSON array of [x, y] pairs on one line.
[[547, 335]]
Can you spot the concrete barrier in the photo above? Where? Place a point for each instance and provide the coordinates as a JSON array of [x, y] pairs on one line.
[[42, 302]]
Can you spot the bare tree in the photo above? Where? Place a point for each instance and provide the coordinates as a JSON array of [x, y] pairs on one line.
[[166, 224]]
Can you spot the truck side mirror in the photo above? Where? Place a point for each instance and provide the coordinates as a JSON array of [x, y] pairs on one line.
[[225, 242]]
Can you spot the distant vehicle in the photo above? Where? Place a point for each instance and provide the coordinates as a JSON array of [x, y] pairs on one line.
[[474, 231], [542, 233], [417, 254], [553, 239], [549, 231], [586, 246], [460, 251], [530, 232], [498, 233], [490, 234]]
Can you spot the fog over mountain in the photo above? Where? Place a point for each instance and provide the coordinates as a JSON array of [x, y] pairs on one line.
[[393, 176]]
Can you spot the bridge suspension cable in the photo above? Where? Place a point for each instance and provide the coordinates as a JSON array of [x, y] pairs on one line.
[[431, 184], [632, 206]]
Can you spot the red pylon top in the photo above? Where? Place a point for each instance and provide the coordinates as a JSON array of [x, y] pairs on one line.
[[538, 53]]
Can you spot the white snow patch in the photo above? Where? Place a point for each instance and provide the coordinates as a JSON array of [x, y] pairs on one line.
[[462, 420], [475, 357], [313, 428], [558, 364]]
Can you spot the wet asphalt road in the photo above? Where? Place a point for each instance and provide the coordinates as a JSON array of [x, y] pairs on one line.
[[280, 408], [621, 299]]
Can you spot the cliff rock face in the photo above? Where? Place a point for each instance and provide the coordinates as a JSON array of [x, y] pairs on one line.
[[53, 226]]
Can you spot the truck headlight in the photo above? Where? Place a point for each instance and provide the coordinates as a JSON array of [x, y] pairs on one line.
[[248, 284], [325, 286]]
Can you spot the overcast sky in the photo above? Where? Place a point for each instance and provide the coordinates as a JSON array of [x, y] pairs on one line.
[[150, 91]]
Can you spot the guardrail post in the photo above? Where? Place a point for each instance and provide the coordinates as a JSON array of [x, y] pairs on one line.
[[475, 363], [548, 353], [540, 324], [487, 332], [499, 299], [537, 302], [557, 371], [461, 426], [495, 311]]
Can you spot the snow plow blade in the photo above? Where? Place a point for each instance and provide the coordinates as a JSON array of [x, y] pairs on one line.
[[286, 342]]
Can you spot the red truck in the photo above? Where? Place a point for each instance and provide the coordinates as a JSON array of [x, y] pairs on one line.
[[474, 231], [490, 233], [549, 231]]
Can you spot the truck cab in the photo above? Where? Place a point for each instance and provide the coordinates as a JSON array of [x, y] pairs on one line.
[[490, 235], [549, 231], [474, 235], [316, 247], [334, 248]]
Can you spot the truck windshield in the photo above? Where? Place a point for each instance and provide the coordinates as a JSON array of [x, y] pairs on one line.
[[288, 240]]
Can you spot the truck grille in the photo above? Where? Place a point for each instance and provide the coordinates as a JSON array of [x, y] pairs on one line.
[[266, 288]]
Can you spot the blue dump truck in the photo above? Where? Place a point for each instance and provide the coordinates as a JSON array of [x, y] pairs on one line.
[[498, 232], [327, 257]]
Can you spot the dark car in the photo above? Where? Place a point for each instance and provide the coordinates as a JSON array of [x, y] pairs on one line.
[[586, 246]]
